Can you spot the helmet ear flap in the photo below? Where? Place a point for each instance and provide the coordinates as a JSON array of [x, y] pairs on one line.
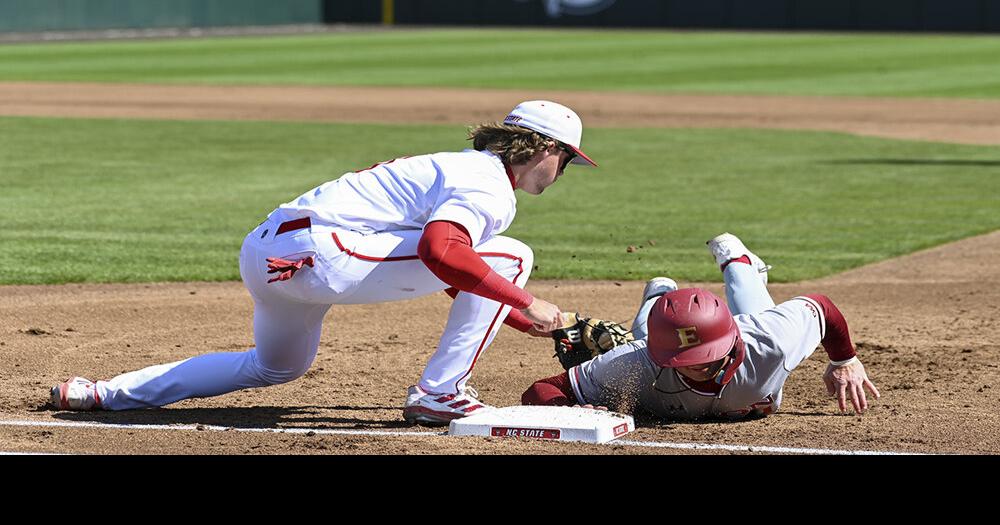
[[737, 355]]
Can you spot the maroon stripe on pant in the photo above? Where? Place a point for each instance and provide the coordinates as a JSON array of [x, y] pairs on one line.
[[520, 267]]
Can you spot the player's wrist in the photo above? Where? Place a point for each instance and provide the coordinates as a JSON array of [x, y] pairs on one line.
[[845, 362], [496, 287]]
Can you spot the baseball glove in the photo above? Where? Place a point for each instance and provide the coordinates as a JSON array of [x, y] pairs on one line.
[[583, 338]]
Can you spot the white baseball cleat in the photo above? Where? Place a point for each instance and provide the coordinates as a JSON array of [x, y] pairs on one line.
[[76, 393], [656, 287], [439, 409], [726, 247]]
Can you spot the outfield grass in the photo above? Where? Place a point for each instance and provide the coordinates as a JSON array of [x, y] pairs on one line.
[[134, 201], [657, 61]]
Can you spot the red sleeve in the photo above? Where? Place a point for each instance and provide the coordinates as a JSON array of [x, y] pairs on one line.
[[515, 319], [552, 391], [837, 341], [446, 248]]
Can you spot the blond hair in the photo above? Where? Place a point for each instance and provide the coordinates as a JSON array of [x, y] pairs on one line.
[[513, 144]]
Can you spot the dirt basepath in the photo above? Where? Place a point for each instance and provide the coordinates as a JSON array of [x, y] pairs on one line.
[[940, 120], [975, 259], [930, 345]]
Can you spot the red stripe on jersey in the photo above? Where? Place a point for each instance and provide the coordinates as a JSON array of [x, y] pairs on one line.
[[575, 383], [510, 175]]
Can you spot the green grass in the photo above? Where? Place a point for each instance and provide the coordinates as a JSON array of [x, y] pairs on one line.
[[655, 61], [135, 201]]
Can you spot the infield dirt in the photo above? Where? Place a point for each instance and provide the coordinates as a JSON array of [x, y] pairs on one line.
[[943, 120], [925, 324]]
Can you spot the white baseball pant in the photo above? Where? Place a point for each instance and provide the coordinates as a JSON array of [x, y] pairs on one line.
[[348, 268]]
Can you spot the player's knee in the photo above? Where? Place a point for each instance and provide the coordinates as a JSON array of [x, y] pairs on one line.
[[278, 373], [280, 376], [522, 259], [521, 249], [527, 255]]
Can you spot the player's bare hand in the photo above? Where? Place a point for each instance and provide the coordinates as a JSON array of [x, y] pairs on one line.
[[595, 407], [849, 382], [545, 315]]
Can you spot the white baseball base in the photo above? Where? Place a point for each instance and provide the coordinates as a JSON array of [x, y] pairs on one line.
[[544, 422]]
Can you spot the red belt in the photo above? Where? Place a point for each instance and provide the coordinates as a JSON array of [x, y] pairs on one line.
[[291, 226]]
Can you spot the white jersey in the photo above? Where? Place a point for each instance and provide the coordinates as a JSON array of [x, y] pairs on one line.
[[470, 188], [777, 340]]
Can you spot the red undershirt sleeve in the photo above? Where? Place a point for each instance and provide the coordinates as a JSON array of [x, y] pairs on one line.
[[552, 391], [446, 248], [515, 319], [837, 341]]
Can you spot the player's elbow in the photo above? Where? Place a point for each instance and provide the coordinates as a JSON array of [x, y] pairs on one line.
[[430, 252], [542, 393], [532, 396]]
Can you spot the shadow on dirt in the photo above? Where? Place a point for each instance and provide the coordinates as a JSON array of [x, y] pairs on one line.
[[311, 417], [644, 420]]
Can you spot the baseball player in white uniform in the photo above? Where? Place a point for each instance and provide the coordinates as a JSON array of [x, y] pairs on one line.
[[692, 359], [398, 230]]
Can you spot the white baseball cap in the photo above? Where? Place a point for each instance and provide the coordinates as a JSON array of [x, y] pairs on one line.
[[553, 120]]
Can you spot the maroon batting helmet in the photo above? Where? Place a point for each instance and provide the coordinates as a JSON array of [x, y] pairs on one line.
[[691, 327]]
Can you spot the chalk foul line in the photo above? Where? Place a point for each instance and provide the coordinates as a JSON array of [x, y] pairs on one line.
[[402, 433]]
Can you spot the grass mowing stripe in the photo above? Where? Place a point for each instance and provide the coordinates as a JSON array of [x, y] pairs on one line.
[[658, 61], [138, 201]]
